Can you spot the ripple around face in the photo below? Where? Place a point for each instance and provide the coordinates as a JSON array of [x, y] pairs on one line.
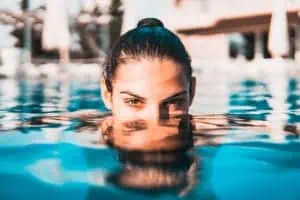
[[65, 157]]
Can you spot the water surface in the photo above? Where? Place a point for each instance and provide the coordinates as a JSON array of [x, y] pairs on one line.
[[67, 161]]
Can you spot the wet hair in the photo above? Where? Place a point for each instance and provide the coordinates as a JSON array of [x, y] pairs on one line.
[[150, 39]]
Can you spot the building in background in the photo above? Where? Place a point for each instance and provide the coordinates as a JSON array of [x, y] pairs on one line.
[[211, 29], [218, 29]]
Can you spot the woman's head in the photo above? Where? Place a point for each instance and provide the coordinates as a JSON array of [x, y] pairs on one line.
[[148, 74]]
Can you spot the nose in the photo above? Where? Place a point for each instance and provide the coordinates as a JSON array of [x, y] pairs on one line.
[[152, 113]]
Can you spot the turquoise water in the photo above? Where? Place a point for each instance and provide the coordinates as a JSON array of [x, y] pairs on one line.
[[66, 161]]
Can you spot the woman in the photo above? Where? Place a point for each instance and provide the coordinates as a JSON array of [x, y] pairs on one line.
[[148, 75], [149, 56], [148, 78]]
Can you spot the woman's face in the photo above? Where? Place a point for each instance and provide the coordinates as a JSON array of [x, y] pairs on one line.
[[149, 89]]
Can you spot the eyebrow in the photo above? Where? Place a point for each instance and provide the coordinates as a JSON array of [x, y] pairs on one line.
[[132, 94], [165, 100], [175, 95]]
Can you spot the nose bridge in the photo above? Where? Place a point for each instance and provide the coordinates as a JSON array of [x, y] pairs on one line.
[[153, 112]]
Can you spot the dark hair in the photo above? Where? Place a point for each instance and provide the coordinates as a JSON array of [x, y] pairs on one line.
[[149, 39]]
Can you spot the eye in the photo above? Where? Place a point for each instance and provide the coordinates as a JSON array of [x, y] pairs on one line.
[[133, 102], [178, 103]]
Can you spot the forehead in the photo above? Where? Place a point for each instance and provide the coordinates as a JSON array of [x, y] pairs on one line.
[[150, 72], [148, 66]]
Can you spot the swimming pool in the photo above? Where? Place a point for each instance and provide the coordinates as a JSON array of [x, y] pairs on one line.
[[65, 161]]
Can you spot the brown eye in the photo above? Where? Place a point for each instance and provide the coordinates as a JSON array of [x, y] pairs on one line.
[[133, 102]]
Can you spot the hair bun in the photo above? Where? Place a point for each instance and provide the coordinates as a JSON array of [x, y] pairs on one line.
[[150, 22]]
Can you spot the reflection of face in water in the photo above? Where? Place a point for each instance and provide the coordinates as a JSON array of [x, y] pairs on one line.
[[156, 172], [153, 155], [148, 136]]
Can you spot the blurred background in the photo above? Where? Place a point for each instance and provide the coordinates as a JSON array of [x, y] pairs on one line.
[[41, 31]]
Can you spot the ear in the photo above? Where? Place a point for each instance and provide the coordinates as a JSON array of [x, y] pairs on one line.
[[192, 89], [106, 94]]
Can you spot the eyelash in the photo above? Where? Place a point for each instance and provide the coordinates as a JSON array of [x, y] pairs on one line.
[[138, 103], [133, 102]]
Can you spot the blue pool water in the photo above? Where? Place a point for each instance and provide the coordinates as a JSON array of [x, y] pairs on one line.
[[58, 161]]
